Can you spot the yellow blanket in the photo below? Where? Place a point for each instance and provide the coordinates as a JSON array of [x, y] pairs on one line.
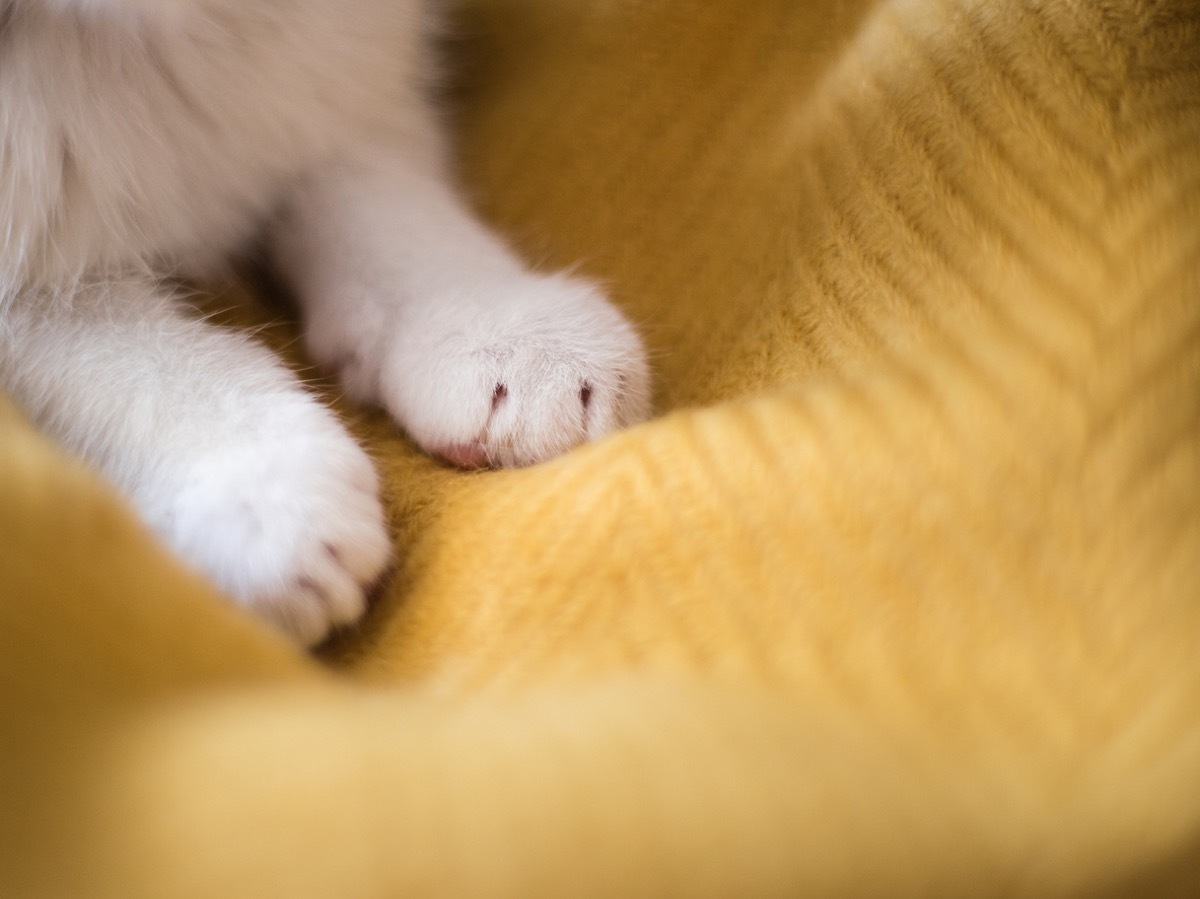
[[899, 595]]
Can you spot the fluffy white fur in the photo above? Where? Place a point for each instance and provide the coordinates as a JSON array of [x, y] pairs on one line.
[[149, 137]]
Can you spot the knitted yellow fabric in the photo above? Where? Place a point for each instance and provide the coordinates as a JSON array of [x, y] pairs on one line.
[[898, 596]]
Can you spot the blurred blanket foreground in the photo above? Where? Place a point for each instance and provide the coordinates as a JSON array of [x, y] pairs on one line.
[[898, 596]]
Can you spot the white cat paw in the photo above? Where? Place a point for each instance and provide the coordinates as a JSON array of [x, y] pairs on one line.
[[536, 366], [286, 520]]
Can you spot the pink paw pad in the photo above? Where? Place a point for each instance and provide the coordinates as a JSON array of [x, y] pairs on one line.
[[471, 456]]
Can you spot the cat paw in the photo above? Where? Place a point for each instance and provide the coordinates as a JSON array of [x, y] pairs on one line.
[[287, 522], [547, 364]]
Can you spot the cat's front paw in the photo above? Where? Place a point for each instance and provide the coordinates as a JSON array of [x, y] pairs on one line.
[[285, 520], [546, 363]]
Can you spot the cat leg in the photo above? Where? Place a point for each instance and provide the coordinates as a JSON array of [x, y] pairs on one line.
[[216, 444], [423, 310]]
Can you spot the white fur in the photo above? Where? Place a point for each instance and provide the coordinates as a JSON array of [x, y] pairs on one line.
[[149, 137]]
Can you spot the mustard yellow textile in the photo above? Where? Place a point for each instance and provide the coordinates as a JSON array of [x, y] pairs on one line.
[[899, 596]]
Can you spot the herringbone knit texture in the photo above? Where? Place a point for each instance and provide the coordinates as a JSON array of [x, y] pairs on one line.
[[900, 595]]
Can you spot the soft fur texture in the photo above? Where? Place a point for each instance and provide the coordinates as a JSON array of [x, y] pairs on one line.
[[899, 598], [139, 139]]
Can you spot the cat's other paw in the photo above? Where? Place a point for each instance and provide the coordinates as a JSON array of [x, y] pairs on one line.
[[535, 366], [286, 520]]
